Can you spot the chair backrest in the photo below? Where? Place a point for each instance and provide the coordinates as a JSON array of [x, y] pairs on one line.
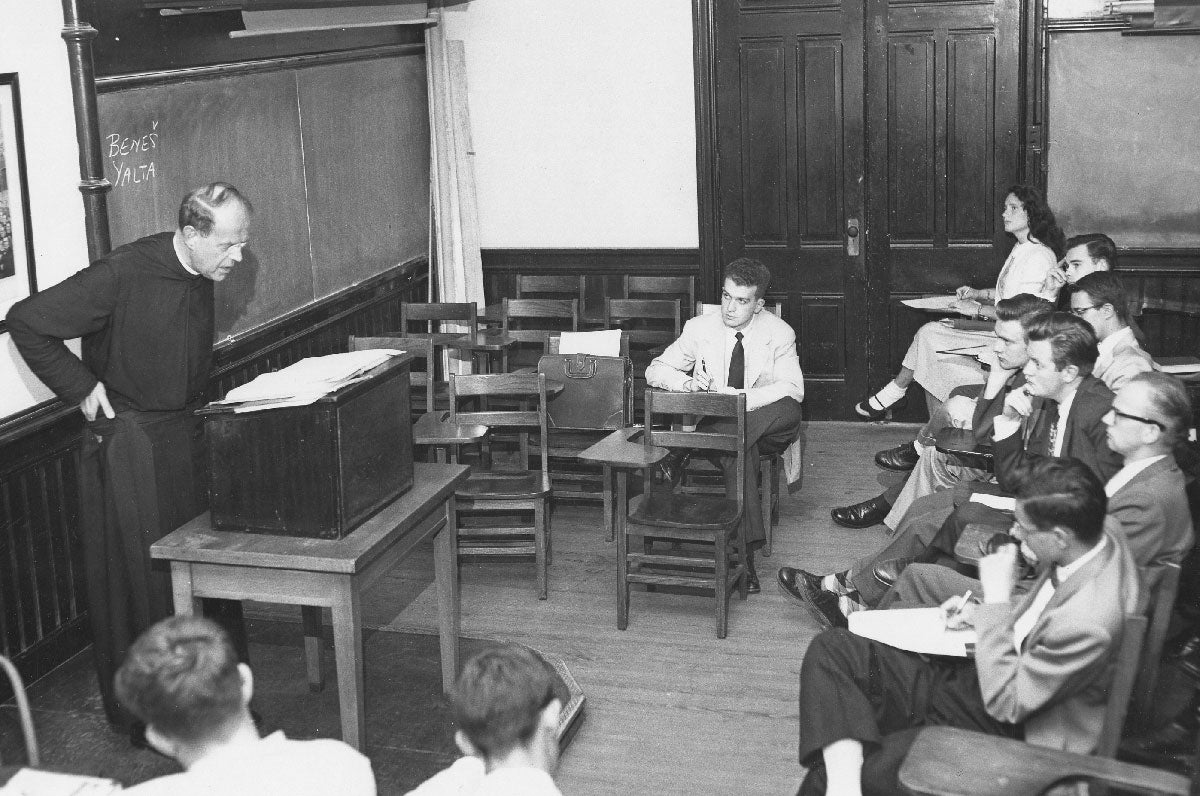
[[532, 321], [430, 314], [646, 321], [1161, 583], [554, 343], [773, 307], [1121, 688], [728, 408], [422, 350], [562, 286], [668, 287], [525, 386], [26, 717]]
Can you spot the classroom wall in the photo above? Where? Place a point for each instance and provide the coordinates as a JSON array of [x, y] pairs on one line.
[[582, 116], [31, 46]]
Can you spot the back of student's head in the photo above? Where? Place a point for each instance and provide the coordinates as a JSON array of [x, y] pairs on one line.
[[1064, 493], [499, 698], [181, 678], [1072, 340], [1099, 247], [1105, 287], [1020, 306]]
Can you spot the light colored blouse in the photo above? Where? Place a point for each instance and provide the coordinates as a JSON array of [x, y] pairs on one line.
[[1025, 271]]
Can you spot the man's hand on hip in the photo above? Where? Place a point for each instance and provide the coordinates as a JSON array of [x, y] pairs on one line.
[[96, 400]]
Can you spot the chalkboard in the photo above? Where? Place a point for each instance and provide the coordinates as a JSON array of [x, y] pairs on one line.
[[1124, 137], [334, 157]]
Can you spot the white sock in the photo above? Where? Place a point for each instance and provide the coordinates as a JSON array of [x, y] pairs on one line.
[[921, 449], [890, 393]]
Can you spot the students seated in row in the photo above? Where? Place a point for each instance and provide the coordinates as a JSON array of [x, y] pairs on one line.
[[937, 470], [506, 705], [1101, 300], [1147, 502], [1039, 244], [1086, 254], [743, 349], [1042, 663], [182, 678], [1058, 413]]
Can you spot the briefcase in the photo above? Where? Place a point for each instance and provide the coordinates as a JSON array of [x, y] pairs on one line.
[[597, 391]]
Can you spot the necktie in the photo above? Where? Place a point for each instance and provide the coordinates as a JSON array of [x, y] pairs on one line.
[[1050, 412], [737, 365]]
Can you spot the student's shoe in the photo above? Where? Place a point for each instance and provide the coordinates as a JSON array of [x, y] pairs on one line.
[[901, 458]]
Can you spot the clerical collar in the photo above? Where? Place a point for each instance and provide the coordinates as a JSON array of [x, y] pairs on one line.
[[179, 253]]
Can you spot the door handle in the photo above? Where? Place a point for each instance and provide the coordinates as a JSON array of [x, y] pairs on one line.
[[852, 231]]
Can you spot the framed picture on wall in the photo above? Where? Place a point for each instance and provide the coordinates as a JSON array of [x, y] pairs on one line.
[[17, 277]]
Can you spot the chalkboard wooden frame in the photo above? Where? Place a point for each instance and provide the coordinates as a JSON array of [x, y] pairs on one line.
[[18, 256]]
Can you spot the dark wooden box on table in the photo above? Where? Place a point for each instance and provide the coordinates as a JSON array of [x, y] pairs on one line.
[[316, 470]]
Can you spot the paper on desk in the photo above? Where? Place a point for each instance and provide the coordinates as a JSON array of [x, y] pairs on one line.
[[309, 379], [605, 343], [914, 629], [943, 303], [1182, 367], [31, 782], [998, 502]]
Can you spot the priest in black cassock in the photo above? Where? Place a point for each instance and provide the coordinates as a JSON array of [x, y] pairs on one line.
[[145, 313]]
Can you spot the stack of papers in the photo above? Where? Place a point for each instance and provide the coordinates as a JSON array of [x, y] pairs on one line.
[[914, 629], [932, 303], [305, 382], [32, 782]]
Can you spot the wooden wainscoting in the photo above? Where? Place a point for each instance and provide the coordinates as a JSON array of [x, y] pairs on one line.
[[43, 619]]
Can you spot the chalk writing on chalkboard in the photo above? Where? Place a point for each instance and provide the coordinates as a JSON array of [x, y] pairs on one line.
[[132, 156]]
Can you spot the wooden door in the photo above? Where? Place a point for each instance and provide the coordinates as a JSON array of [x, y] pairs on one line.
[[861, 151]]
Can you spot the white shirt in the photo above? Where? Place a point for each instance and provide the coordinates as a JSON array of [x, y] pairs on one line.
[[468, 777], [1027, 620], [1004, 427], [1126, 473], [272, 766]]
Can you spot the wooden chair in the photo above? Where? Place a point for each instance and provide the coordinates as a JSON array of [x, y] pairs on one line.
[[558, 286], [531, 322], [435, 315], [505, 492], [422, 381], [947, 761], [1161, 584], [24, 714], [660, 287], [692, 525], [652, 325]]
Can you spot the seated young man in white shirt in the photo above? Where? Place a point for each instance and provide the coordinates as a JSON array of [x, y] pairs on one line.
[[181, 677], [506, 703]]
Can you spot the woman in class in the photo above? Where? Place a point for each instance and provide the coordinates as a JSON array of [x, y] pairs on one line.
[[1027, 270]]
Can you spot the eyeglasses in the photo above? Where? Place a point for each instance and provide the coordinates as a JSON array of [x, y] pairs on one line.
[[1079, 311], [1128, 416]]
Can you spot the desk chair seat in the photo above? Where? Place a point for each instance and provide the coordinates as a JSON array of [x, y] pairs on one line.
[[498, 485], [675, 510], [707, 545]]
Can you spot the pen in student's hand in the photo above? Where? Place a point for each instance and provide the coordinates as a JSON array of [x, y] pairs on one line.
[[962, 602]]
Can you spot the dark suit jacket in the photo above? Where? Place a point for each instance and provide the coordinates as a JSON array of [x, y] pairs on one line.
[[987, 410], [1085, 438]]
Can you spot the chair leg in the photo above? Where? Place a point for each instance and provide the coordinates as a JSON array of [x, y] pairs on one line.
[[539, 544], [548, 517], [607, 496], [721, 582], [766, 488], [739, 541], [622, 581]]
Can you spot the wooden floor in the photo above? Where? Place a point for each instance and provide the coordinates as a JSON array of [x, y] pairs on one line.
[[671, 709]]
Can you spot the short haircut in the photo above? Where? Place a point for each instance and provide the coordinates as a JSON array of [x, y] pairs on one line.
[[181, 678], [197, 208], [500, 695], [1021, 305], [1172, 406], [1099, 247], [1105, 287], [746, 272], [1064, 493], [1072, 340]]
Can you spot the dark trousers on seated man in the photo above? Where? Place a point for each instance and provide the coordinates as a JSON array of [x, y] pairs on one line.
[[770, 430]]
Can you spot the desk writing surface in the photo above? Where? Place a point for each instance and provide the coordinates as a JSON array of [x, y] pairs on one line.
[[616, 450], [196, 541]]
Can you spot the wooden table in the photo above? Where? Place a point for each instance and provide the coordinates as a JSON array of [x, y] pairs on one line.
[[316, 573], [622, 451]]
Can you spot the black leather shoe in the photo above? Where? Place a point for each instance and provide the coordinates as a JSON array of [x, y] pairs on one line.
[[669, 469], [805, 588], [888, 572], [901, 458], [752, 584], [862, 515]]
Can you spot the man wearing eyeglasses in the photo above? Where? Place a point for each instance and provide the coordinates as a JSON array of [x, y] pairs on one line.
[[1146, 498], [1099, 298]]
